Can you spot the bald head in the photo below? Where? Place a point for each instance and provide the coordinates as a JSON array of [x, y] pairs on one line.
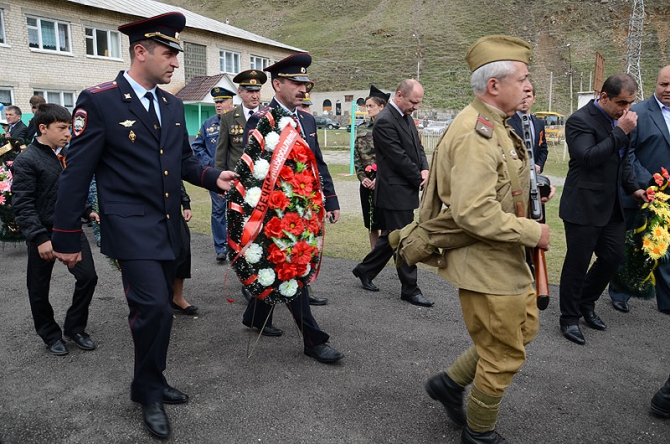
[[662, 91], [408, 96]]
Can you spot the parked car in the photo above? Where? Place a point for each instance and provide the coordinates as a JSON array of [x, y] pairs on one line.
[[325, 122]]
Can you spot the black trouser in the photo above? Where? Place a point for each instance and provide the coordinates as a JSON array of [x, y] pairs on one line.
[[581, 286], [39, 279], [257, 311], [148, 285], [376, 260]]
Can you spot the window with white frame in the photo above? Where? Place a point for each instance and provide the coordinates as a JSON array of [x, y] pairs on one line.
[[63, 98], [103, 43], [3, 39], [50, 35], [5, 99], [259, 63], [229, 61]]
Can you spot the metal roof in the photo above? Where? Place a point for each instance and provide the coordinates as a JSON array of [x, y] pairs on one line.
[[200, 87], [150, 8]]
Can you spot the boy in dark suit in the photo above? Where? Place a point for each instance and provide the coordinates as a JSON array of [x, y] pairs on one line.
[[36, 174]]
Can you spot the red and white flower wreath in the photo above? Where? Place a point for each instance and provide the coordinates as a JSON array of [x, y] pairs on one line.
[[275, 211]]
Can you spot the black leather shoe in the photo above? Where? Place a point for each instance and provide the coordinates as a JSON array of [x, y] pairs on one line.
[[221, 258], [660, 403], [323, 353], [365, 282], [83, 341], [621, 306], [57, 348], [468, 436], [318, 301], [664, 311], [155, 420], [573, 333], [593, 320], [269, 330], [444, 389], [247, 294], [173, 396], [191, 310], [417, 299]]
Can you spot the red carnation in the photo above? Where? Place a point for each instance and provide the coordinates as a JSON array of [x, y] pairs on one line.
[[300, 153], [278, 200], [286, 173], [286, 271], [303, 184], [273, 228], [275, 254], [313, 226], [293, 223], [301, 253]]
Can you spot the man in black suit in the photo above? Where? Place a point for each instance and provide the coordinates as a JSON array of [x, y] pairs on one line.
[[289, 79], [132, 135], [402, 169], [17, 129], [649, 151], [598, 139], [540, 150]]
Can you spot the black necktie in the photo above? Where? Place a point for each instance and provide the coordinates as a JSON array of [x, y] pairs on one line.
[[409, 123], [152, 113], [251, 112]]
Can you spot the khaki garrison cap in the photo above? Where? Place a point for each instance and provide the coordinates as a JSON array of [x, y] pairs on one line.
[[495, 48]]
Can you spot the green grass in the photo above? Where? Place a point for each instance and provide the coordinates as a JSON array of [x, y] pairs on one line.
[[348, 239]]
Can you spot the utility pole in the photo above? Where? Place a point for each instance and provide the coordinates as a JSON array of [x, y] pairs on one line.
[[570, 63], [634, 46]]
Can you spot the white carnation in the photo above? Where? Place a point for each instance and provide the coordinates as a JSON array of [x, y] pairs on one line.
[[261, 168], [252, 196], [266, 277], [271, 141], [253, 253], [286, 121], [288, 288]]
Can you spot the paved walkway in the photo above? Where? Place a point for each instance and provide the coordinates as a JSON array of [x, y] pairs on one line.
[[598, 393]]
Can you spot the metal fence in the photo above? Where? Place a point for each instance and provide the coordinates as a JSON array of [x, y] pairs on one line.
[[430, 139]]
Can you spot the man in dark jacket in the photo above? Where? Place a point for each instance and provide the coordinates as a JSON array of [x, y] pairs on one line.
[[36, 172]]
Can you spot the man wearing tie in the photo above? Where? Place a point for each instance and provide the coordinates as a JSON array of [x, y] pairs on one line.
[[132, 136], [402, 169], [649, 151]]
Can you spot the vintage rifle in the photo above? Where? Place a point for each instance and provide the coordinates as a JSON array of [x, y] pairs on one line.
[[537, 254]]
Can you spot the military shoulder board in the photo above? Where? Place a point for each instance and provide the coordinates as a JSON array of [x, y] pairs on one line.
[[102, 87], [484, 127]]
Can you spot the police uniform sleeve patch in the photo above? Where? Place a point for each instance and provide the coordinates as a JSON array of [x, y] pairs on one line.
[[79, 121], [484, 127]]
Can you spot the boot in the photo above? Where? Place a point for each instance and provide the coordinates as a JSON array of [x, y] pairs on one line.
[[442, 388], [468, 436], [660, 403]]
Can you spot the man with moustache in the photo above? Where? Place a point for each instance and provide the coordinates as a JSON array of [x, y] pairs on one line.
[[480, 174], [289, 80], [402, 169], [204, 148], [598, 137], [132, 135], [649, 151]]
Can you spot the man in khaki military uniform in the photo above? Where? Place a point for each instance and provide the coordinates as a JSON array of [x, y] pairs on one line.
[[472, 174]]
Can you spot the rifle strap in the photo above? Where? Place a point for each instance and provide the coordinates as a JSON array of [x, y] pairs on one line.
[[517, 191]]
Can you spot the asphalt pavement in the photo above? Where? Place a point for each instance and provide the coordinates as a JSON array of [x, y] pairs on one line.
[[566, 393]]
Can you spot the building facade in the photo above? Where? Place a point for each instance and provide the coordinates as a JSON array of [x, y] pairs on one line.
[[60, 47]]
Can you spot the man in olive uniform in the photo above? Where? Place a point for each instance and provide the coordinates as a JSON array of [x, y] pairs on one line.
[[204, 148], [474, 172]]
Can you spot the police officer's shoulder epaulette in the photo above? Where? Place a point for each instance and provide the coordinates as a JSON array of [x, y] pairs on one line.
[[484, 126], [102, 87]]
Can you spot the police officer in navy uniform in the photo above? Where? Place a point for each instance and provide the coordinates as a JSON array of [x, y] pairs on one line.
[[132, 136], [204, 149], [289, 78]]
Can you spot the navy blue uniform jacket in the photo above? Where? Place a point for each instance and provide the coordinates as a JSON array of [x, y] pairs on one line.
[[540, 150], [138, 176], [309, 127]]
